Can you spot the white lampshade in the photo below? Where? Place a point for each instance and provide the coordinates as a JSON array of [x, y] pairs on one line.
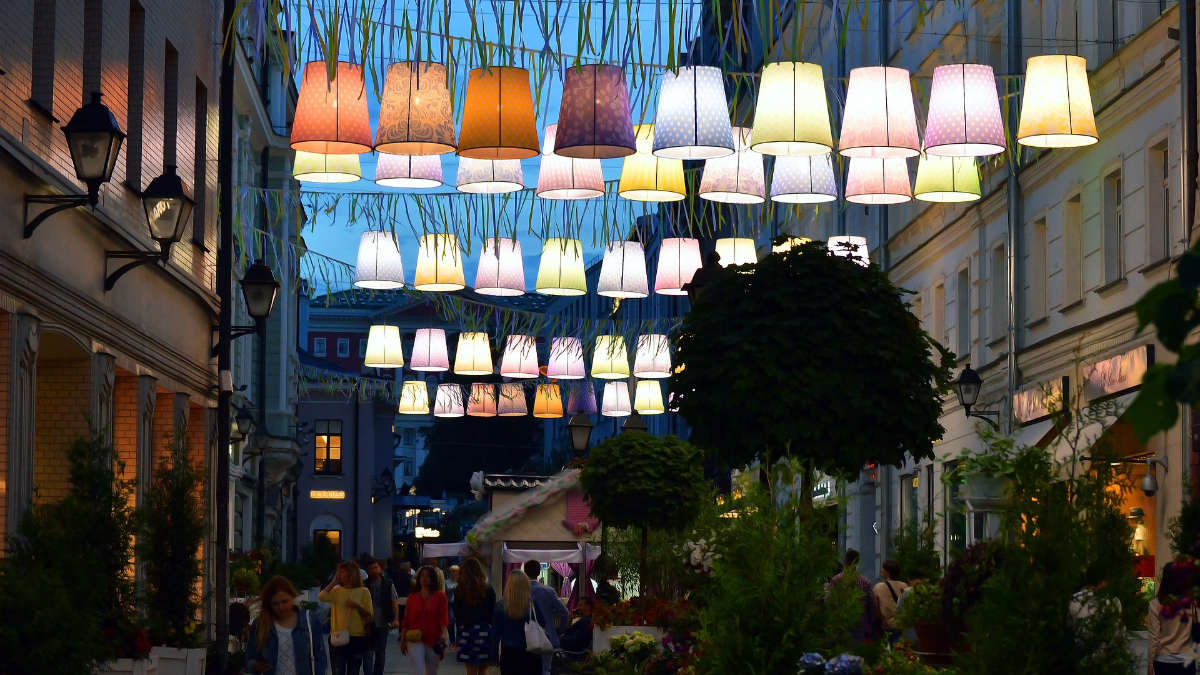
[[520, 359], [878, 181], [448, 402], [489, 176], [566, 178], [439, 264], [648, 399], [623, 272], [693, 115], [561, 271], [736, 251], [482, 402], [736, 178], [511, 402], [414, 398], [429, 353], [313, 167], [615, 402], [566, 359], [408, 171], [946, 179], [879, 119], [547, 401], [849, 246], [791, 115], [379, 266], [474, 355], [652, 360], [964, 112], [803, 180], [384, 349], [501, 268], [678, 260], [610, 360]]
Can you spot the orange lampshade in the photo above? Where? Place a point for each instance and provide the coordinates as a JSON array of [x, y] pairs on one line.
[[547, 402], [498, 120], [414, 110], [331, 114]]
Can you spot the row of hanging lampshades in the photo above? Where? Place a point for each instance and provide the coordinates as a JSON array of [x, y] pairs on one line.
[[879, 130]]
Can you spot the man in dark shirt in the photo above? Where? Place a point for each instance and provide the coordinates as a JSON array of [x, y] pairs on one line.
[[578, 636], [386, 616]]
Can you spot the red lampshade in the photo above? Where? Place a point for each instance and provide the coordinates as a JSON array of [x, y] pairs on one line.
[[331, 115]]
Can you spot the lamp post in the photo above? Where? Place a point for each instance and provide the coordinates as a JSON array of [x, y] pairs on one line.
[[580, 427], [635, 422], [168, 205], [259, 290], [967, 387]]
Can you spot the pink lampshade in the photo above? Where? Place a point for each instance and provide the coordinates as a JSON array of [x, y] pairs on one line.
[[878, 181], [594, 115], [623, 272], [448, 402], [520, 359], [879, 119], [482, 402], [429, 353], [501, 269], [408, 171], [736, 178], [566, 359], [964, 112], [582, 399], [511, 402], [678, 260], [652, 360], [616, 399], [562, 177], [331, 116]]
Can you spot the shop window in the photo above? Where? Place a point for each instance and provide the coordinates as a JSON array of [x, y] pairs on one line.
[[319, 346], [327, 455], [1113, 226], [331, 538]]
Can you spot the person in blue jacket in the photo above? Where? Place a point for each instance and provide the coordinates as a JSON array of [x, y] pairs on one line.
[[285, 639]]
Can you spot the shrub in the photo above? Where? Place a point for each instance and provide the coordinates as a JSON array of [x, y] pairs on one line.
[[915, 550]]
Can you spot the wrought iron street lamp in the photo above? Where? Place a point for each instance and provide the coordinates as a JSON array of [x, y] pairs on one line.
[[168, 205], [580, 427], [259, 290], [244, 422], [967, 386], [635, 422]]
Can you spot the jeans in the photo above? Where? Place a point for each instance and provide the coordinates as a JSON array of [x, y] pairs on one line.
[[376, 654], [1163, 668], [348, 659], [424, 660]]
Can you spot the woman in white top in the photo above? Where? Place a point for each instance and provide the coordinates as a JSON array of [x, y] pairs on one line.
[[1170, 650], [284, 639]]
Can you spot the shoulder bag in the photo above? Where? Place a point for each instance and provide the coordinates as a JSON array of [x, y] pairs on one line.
[[536, 640], [312, 661]]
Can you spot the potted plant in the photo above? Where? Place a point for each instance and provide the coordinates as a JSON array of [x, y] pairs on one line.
[[985, 475], [921, 611]]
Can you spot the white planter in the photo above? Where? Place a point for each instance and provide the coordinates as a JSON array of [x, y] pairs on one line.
[[985, 493], [600, 636], [174, 661], [148, 666]]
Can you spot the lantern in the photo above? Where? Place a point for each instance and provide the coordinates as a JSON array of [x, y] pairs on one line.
[[878, 181], [736, 178], [414, 110], [803, 180], [562, 177], [964, 112], [648, 399], [498, 118], [849, 246], [331, 115], [259, 289], [379, 266], [439, 266], [582, 399], [520, 359], [94, 140], [652, 360], [489, 177], [678, 260], [623, 272], [384, 349], [788, 244], [501, 269], [474, 355], [511, 402], [482, 402], [736, 251], [693, 115], [168, 204], [610, 361], [594, 114], [429, 353], [408, 171], [414, 398], [946, 179], [448, 401], [1056, 106], [316, 168], [879, 119], [649, 178], [615, 401], [566, 359], [791, 115], [547, 402], [560, 271]]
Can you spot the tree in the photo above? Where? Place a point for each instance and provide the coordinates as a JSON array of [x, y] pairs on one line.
[[810, 355]]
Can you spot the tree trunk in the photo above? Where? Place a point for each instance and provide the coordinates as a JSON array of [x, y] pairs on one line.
[[642, 571], [806, 487]]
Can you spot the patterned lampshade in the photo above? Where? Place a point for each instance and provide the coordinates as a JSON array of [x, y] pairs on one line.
[[408, 171], [314, 168], [414, 398], [1056, 106], [803, 180], [610, 360], [414, 110], [448, 402], [439, 265], [648, 399], [501, 268], [623, 272], [791, 115], [485, 176], [615, 402], [379, 266], [648, 178], [736, 251], [566, 359], [582, 399], [878, 181], [474, 355], [562, 177], [482, 402], [693, 115], [384, 349], [947, 179], [547, 402], [520, 359], [678, 260], [560, 271], [429, 353], [736, 178], [964, 112], [850, 246], [879, 119], [331, 115], [594, 115], [512, 401], [498, 120], [652, 360]]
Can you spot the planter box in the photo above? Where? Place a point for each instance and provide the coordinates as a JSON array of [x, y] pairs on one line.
[[600, 636], [173, 661], [147, 666], [985, 493]]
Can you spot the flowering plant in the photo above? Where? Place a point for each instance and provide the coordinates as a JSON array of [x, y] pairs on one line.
[[1187, 568], [901, 660], [657, 612], [700, 554]]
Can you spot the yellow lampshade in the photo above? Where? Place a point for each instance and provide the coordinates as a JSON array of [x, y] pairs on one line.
[[512, 400], [649, 178], [414, 398], [384, 349], [946, 179], [547, 402], [736, 251], [791, 116], [317, 168], [788, 244], [561, 271], [439, 265], [1056, 106], [483, 400], [610, 360], [474, 355], [648, 399]]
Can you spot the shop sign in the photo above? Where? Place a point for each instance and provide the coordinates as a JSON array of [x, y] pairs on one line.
[[1039, 402], [1118, 374]]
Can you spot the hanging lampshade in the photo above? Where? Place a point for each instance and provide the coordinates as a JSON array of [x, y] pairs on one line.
[[648, 398], [678, 260], [560, 271], [964, 112], [448, 401], [879, 119], [582, 399], [501, 269], [331, 116], [594, 114], [649, 178], [652, 360], [498, 118], [803, 180], [736, 251], [482, 402], [791, 115], [408, 171], [429, 353], [693, 115], [520, 359], [849, 246], [1056, 106], [615, 402], [414, 398], [379, 266], [384, 349], [623, 272], [610, 361], [439, 265], [474, 355], [316, 168], [547, 402], [736, 178], [511, 402], [946, 179], [489, 177], [566, 359], [414, 110], [878, 181], [562, 177], [788, 244]]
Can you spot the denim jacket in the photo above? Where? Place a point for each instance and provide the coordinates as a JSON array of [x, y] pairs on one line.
[[306, 622]]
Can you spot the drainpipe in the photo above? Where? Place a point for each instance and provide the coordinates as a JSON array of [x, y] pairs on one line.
[[1013, 191], [885, 472], [1187, 193]]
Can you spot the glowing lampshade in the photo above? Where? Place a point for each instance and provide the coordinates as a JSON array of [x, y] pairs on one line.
[[429, 353], [331, 115], [652, 360], [562, 177], [791, 115], [474, 355], [964, 112], [678, 260], [594, 115], [560, 271], [803, 180], [520, 359], [448, 401], [693, 115], [610, 361], [582, 399], [316, 168], [501, 269], [482, 402], [736, 178], [946, 179], [788, 244], [485, 176], [498, 118], [648, 178], [512, 401], [648, 399], [736, 251], [414, 110], [439, 266], [547, 402], [414, 398], [1056, 106], [384, 348], [849, 246], [379, 266], [878, 181], [566, 359], [879, 119], [615, 402], [408, 171], [623, 272]]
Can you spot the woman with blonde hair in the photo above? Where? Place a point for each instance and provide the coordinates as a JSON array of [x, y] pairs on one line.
[[472, 608], [508, 622], [284, 639], [350, 616]]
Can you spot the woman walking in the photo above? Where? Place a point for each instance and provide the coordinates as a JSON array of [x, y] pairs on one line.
[[350, 617], [284, 639], [508, 622], [1170, 650], [473, 605], [424, 633]]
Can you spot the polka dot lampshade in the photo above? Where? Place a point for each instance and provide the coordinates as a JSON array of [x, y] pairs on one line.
[[678, 260], [736, 251], [429, 353], [791, 115], [448, 401], [736, 178], [316, 168], [693, 115], [547, 402], [648, 178], [964, 112], [615, 402], [379, 266], [610, 360], [511, 402], [474, 355], [414, 398], [803, 180], [1056, 106], [561, 271], [482, 402], [485, 176], [879, 119], [331, 114], [946, 179], [384, 348], [878, 181], [623, 272], [501, 268], [439, 265], [849, 246], [652, 360], [594, 119], [562, 177], [520, 359], [498, 118], [566, 359], [414, 110], [408, 171]]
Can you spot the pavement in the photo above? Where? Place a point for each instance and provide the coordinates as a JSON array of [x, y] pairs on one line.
[[397, 663]]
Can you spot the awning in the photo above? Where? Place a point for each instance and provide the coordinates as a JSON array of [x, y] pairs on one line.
[[1038, 434], [456, 550], [574, 554], [1109, 436]]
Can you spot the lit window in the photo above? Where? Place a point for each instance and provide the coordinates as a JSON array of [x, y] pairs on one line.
[[327, 453]]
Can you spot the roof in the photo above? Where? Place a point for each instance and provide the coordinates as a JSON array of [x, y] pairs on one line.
[[541, 490], [513, 481]]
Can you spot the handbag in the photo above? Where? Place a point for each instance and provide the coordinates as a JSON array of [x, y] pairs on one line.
[[413, 635], [536, 640], [339, 638], [312, 662]]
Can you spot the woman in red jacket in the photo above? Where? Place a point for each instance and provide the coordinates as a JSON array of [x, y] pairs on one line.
[[424, 633]]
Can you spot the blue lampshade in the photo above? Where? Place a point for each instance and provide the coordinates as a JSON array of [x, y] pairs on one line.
[[693, 115], [803, 180]]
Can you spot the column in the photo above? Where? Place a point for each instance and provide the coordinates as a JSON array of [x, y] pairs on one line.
[[104, 380], [22, 396], [146, 394]]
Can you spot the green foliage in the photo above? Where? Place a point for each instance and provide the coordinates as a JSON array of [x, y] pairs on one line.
[[1184, 529], [997, 458], [915, 549], [899, 660], [244, 582], [636, 479], [668, 577], [922, 605], [820, 358]]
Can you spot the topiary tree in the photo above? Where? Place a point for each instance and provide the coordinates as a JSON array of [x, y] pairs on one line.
[[817, 358]]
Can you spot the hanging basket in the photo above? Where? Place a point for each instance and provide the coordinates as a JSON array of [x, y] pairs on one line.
[[984, 493]]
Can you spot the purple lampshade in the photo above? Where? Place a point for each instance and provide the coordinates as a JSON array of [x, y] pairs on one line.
[[594, 114], [429, 351], [964, 112], [408, 171], [501, 269], [566, 359], [512, 402], [562, 177], [582, 399]]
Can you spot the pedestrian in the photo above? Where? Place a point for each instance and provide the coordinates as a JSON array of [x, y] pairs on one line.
[[386, 604], [867, 628], [473, 605], [351, 613], [284, 639], [424, 632], [451, 585], [578, 636], [1169, 649], [887, 598], [508, 621], [405, 584], [546, 601]]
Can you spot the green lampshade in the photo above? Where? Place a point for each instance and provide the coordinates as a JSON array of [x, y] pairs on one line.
[[561, 269], [947, 179], [317, 168]]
